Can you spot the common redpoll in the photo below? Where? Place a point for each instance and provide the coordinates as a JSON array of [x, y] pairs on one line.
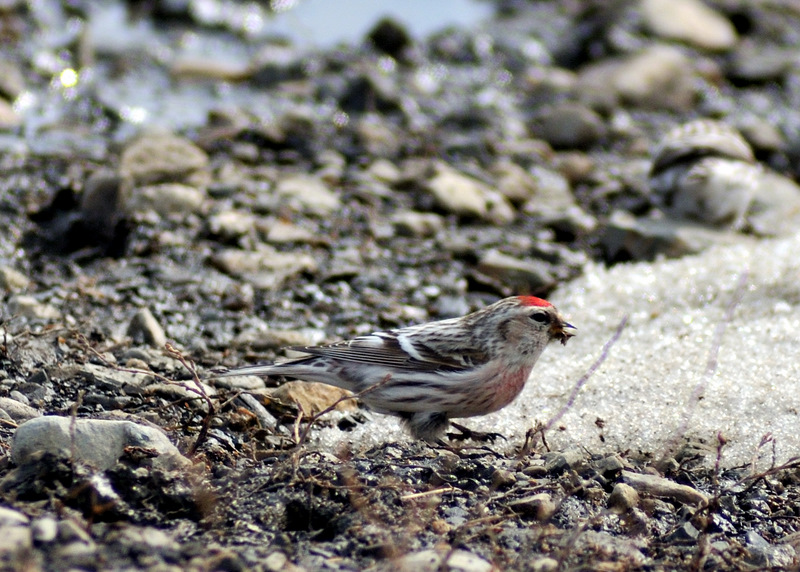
[[704, 170], [430, 373]]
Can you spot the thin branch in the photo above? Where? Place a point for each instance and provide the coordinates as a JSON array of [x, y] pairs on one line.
[[195, 387], [359, 395], [191, 368], [410, 496]]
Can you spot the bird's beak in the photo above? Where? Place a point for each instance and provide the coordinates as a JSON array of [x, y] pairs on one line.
[[562, 331]]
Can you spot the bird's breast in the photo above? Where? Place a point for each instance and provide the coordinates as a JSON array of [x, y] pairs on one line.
[[493, 393], [507, 386]]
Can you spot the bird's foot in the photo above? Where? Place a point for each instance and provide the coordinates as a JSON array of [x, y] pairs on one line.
[[478, 436]]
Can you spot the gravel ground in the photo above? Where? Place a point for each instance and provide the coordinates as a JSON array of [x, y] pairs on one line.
[[181, 191]]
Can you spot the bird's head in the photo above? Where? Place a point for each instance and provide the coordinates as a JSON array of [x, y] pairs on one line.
[[519, 328], [543, 319]]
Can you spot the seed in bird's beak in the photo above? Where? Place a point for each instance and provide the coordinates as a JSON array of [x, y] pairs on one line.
[[558, 331]]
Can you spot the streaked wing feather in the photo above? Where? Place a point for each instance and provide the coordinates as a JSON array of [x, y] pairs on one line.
[[385, 356], [384, 349]]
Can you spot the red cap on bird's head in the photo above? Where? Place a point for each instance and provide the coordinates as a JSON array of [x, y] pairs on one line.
[[533, 301]]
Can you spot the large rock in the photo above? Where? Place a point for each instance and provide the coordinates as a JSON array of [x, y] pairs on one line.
[[690, 21], [463, 195], [570, 126], [775, 210], [161, 158], [265, 268], [626, 237], [97, 442], [659, 77], [312, 398], [308, 194]]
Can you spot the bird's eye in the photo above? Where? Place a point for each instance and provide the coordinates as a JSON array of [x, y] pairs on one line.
[[541, 317]]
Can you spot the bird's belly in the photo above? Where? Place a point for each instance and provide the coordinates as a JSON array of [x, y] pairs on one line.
[[494, 394]]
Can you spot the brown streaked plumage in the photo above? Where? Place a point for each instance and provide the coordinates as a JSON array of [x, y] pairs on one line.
[[461, 367]]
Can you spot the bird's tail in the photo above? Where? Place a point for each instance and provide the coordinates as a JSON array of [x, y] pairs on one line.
[[306, 368], [261, 370]]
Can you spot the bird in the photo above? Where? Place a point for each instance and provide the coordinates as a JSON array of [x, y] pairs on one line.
[[430, 373]]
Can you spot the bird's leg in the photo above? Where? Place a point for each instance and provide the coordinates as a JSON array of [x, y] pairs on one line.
[[467, 433]]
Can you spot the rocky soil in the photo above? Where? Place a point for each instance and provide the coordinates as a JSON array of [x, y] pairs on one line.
[[181, 192]]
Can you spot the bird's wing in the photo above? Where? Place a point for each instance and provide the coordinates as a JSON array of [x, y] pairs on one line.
[[402, 349]]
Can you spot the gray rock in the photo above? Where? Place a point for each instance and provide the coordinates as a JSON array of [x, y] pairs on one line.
[[98, 443], [17, 410], [513, 181], [596, 87], [572, 221], [29, 307], [15, 540], [5, 338], [463, 195], [277, 231], [762, 63], [614, 548], [764, 554], [384, 171], [76, 549], [9, 118], [12, 280], [626, 237], [502, 478], [684, 532], [12, 79], [540, 506], [276, 562], [570, 126], [552, 195], [413, 223], [143, 357], [144, 327], [705, 170], [146, 538], [108, 378], [761, 134], [664, 488], [265, 419], [168, 198], [557, 463], [697, 139], [307, 194], [186, 392], [659, 77], [433, 561], [159, 158], [231, 224], [377, 137], [17, 395], [521, 275], [44, 529], [11, 517], [545, 564], [610, 466], [265, 268], [775, 210], [332, 166], [240, 382], [260, 339], [689, 21], [622, 498]]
